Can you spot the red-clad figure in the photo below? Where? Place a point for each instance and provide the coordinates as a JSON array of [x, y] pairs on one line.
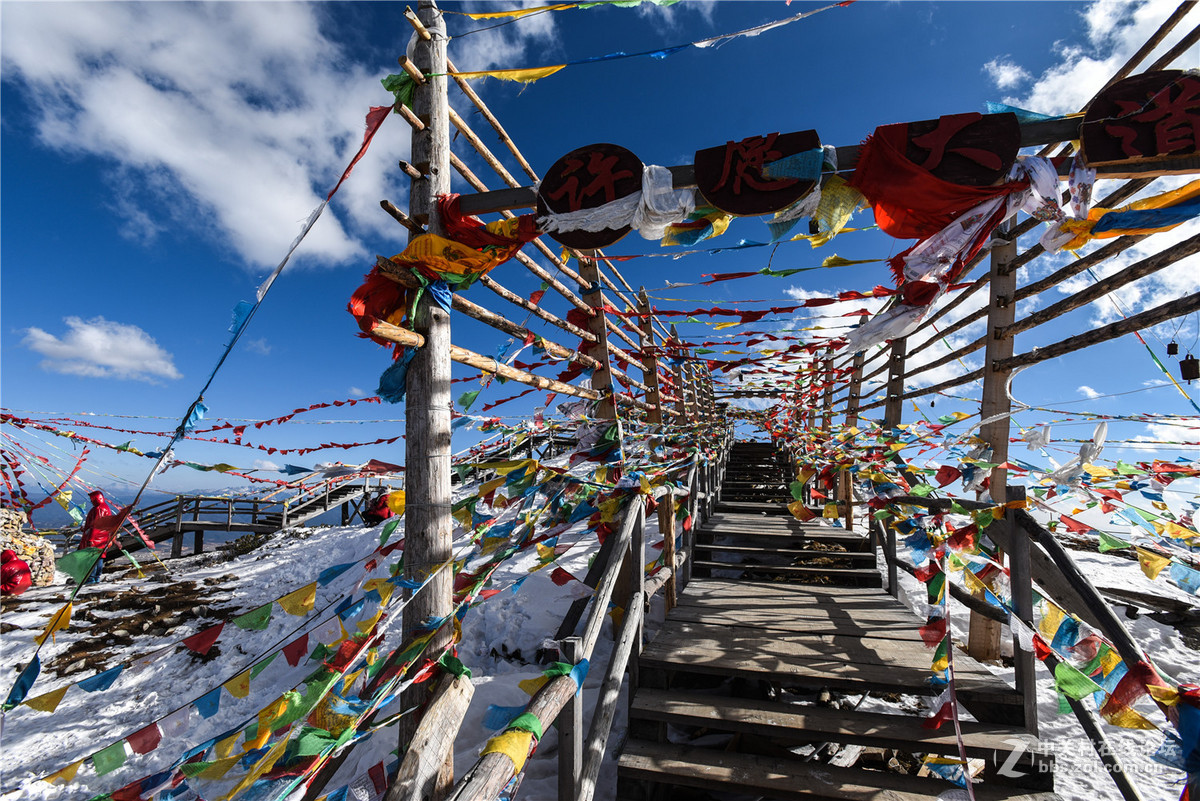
[[379, 510], [96, 531], [15, 577]]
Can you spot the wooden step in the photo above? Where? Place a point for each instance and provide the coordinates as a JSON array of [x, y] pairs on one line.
[[791, 553], [785, 539], [859, 577], [708, 769], [800, 724], [848, 662], [752, 507]]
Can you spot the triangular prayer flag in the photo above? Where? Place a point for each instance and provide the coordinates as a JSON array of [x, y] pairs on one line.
[[296, 650], [1152, 563], [48, 702], [58, 621], [259, 667], [209, 703], [1110, 543], [239, 685], [24, 681], [65, 775], [203, 640], [78, 564], [256, 620], [301, 601], [101, 681]]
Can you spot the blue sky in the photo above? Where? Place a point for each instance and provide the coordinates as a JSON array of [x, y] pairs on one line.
[[158, 159]]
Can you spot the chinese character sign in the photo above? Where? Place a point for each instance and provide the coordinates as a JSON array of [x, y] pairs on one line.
[[759, 174], [587, 178], [1154, 116]]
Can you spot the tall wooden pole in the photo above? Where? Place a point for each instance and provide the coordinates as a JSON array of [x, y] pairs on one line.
[[827, 402], [666, 504], [602, 375], [853, 399], [683, 406], [428, 526], [983, 641]]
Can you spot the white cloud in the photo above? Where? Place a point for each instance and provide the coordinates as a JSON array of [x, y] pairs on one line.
[[1088, 392], [232, 119], [100, 348], [1005, 73], [1114, 30], [259, 346], [265, 464], [358, 392]]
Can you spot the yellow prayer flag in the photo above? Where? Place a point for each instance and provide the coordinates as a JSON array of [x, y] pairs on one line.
[[219, 767], [1128, 718], [395, 502], [609, 510], [1168, 696], [48, 702], [830, 511], [58, 622], [264, 764], [300, 602], [513, 744], [266, 717], [531, 686], [224, 748], [520, 12], [545, 552], [1152, 563], [65, 775], [239, 685], [1050, 621]]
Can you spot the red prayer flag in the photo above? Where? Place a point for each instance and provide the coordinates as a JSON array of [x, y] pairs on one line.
[[947, 474], [143, 741], [296, 650], [560, 576], [202, 641]]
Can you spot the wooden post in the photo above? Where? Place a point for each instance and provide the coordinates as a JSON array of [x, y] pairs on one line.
[[570, 728], [681, 406], [666, 504], [602, 375], [433, 741], [893, 410], [983, 641], [1020, 581], [827, 377], [427, 410], [853, 398]]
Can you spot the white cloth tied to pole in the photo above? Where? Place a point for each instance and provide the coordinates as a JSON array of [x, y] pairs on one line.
[[649, 211]]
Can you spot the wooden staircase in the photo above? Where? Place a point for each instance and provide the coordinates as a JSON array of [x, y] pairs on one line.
[[786, 672]]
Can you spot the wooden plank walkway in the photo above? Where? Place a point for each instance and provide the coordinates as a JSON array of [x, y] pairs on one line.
[[781, 631]]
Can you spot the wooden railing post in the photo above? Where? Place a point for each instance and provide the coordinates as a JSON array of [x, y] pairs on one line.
[[983, 641], [570, 728], [666, 507], [853, 398], [427, 409], [827, 379]]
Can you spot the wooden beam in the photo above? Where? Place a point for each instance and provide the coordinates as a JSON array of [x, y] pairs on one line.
[[433, 742], [1141, 269], [1150, 317]]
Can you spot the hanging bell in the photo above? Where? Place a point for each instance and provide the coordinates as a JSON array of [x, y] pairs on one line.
[[1172, 348], [1189, 368]]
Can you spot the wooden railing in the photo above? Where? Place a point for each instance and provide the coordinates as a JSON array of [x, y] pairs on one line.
[[622, 581]]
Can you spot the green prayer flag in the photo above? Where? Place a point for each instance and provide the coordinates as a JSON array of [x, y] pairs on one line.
[[256, 620], [388, 528], [1110, 543], [261, 666], [106, 760], [983, 518], [1064, 706], [402, 86], [797, 489], [78, 564], [466, 399], [921, 490], [1068, 680], [527, 722], [313, 741], [454, 666]]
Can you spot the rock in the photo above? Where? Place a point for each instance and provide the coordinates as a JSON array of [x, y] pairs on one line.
[[37, 552]]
